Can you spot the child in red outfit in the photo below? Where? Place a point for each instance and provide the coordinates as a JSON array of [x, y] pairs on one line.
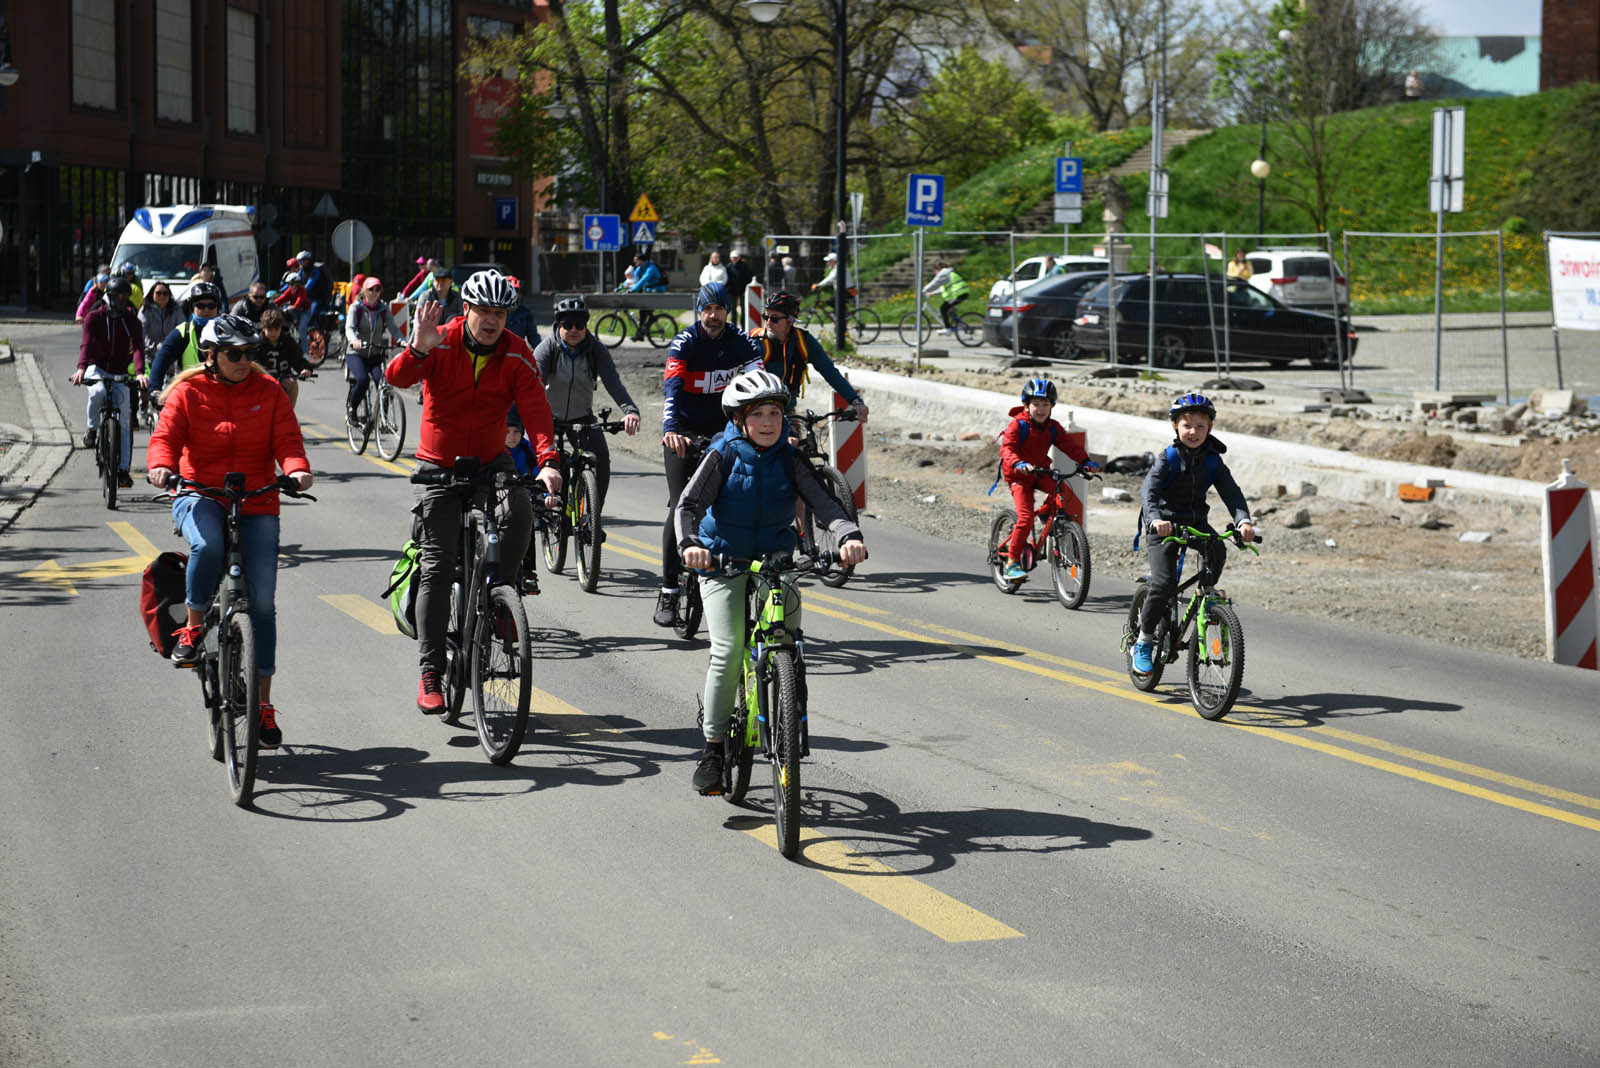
[[1025, 462]]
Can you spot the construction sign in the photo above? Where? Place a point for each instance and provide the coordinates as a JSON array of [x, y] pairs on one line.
[[644, 211]]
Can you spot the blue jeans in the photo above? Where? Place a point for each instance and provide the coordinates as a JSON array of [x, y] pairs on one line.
[[203, 521], [120, 398]]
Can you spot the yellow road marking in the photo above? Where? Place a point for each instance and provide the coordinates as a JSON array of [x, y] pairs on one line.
[[908, 898], [363, 610], [65, 578], [612, 536]]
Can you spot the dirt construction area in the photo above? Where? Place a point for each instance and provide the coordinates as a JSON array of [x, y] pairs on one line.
[[1394, 566]]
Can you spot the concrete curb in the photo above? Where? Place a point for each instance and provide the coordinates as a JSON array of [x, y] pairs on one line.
[[40, 451]]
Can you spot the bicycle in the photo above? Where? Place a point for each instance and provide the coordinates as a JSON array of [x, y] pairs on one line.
[[641, 324], [1208, 627], [769, 711], [914, 329], [487, 648], [812, 534], [324, 338], [227, 664], [1053, 526], [386, 419], [579, 513], [108, 438], [862, 324], [688, 623]]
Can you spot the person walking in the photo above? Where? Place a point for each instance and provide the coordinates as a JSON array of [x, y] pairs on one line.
[[739, 278]]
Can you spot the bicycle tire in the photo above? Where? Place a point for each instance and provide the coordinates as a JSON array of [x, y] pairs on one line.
[[660, 328], [391, 423], [586, 532], [453, 680], [865, 326], [210, 694], [501, 689], [908, 330], [108, 454], [241, 712], [783, 719], [1000, 534], [611, 329], [739, 751], [333, 346], [837, 574], [553, 536], [1069, 562], [358, 432], [688, 623], [1216, 662], [969, 329], [1130, 633]]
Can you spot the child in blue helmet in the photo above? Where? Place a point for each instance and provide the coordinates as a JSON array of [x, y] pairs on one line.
[[1174, 494], [1025, 463]]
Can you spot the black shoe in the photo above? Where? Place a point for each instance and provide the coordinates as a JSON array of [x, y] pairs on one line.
[[186, 653], [666, 610], [124, 480], [530, 584], [708, 773], [90, 436], [271, 735]]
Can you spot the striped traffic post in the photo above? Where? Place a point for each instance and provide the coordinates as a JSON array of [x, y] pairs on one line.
[[847, 452], [1572, 614], [754, 306]]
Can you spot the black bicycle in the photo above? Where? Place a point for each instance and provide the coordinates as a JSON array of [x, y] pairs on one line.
[[638, 324], [579, 514], [108, 438], [814, 537], [227, 665], [487, 649]]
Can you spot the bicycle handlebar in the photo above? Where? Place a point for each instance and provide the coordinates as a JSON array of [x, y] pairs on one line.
[[1189, 536], [283, 484], [811, 418], [729, 566]]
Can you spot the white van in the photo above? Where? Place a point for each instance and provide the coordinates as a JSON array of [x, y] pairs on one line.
[[171, 243]]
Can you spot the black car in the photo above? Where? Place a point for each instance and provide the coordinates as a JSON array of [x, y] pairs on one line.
[[1042, 313], [1190, 323]]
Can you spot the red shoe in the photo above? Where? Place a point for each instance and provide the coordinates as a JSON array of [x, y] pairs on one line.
[[430, 697], [271, 736]]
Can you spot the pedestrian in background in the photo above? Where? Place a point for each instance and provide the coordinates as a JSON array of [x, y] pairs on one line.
[[714, 271], [739, 278], [1239, 267]]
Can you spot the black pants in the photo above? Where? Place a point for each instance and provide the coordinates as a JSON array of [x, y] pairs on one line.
[[1164, 577], [679, 470], [947, 312], [593, 439]]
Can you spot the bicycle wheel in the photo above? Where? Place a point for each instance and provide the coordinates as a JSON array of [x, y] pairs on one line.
[[909, 329], [108, 454], [660, 328], [586, 531], [241, 707], [553, 535], [1069, 562], [783, 718], [865, 326], [500, 684], [611, 329], [1216, 661], [211, 695], [333, 345], [1130, 633], [739, 751], [999, 535], [837, 574], [358, 432], [454, 679], [969, 328], [689, 619], [391, 423]]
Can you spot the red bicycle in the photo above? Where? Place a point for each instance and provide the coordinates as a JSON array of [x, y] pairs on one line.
[[1055, 527]]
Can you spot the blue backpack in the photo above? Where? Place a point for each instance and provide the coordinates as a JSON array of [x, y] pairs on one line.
[[1213, 463]]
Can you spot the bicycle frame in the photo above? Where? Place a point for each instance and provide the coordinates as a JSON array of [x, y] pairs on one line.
[[767, 631], [1044, 518]]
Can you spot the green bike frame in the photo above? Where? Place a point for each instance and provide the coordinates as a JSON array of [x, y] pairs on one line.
[[769, 631]]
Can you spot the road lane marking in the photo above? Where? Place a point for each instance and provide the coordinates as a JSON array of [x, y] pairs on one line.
[[911, 899], [363, 609], [65, 578]]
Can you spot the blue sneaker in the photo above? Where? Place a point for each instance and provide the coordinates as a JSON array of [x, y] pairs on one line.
[[1142, 662], [1015, 573]]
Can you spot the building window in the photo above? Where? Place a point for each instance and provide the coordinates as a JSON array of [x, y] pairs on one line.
[[241, 71], [174, 60], [94, 39]]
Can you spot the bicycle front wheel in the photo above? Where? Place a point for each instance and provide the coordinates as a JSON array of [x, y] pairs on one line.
[[500, 684], [358, 431], [969, 328], [241, 707], [739, 750], [689, 619], [660, 328], [837, 574], [454, 680], [865, 326], [1130, 634], [553, 535], [391, 423], [1069, 563], [913, 330], [1216, 661], [586, 534], [999, 536], [109, 455], [611, 329], [783, 719]]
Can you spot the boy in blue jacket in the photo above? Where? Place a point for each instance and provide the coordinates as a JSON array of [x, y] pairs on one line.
[[1174, 494], [740, 503]]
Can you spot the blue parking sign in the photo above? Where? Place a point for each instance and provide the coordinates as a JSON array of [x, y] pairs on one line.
[[1069, 174], [505, 213], [925, 200]]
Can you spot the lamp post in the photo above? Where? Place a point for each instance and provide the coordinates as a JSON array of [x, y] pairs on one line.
[[559, 112], [766, 11], [1259, 166]]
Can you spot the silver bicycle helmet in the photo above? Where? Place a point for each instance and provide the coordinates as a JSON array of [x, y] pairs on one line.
[[489, 289], [229, 332], [750, 389]]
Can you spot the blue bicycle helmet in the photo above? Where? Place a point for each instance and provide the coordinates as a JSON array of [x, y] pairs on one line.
[[712, 293], [1039, 387], [1192, 402]]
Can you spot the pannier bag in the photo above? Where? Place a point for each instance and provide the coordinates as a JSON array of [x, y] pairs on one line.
[[402, 591], [162, 603]]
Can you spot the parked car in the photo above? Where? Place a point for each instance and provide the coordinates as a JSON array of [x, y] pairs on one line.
[[1031, 270], [1300, 277], [1190, 323], [1042, 314]]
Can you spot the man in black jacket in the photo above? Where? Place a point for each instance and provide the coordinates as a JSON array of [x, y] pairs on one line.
[[739, 276]]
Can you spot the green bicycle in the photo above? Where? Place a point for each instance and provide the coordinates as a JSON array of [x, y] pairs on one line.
[[1208, 627]]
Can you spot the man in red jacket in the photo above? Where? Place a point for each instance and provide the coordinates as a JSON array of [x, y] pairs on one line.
[[472, 370]]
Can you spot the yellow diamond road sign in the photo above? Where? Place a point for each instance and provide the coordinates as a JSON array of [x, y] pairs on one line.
[[644, 211]]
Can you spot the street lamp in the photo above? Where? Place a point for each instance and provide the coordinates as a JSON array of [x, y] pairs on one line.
[[8, 73], [559, 111], [1259, 166], [766, 11]]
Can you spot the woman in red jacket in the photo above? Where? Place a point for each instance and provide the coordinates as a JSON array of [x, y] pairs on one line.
[[226, 415]]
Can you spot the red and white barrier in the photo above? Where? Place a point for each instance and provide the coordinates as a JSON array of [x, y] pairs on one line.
[[1572, 614], [754, 306], [847, 451], [1077, 486]]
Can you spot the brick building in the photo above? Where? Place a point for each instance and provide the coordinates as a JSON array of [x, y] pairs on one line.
[[1571, 49]]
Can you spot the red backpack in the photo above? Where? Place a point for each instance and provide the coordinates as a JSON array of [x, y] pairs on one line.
[[162, 601]]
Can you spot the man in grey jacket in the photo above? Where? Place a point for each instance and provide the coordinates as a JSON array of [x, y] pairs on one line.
[[572, 361]]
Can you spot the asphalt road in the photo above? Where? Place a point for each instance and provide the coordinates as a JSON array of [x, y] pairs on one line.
[[1385, 857]]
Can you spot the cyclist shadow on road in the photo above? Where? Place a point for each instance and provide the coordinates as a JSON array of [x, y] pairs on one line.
[[1315, 709], [824, 658], [904, 582], [914, 843], [294, 554]]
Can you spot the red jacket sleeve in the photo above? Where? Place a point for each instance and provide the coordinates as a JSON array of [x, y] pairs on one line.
[[287, 445], [172, 430], [405, 369]]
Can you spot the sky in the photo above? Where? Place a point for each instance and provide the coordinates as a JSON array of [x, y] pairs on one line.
[[1481, 18]]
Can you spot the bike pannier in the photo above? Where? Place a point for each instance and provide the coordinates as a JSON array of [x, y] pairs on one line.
[[162, 601], [402, 591]]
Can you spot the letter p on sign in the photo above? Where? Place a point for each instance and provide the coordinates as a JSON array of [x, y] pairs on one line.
[[925, 200]]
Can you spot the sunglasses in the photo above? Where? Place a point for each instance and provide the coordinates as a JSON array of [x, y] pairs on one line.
[[258, 297], [574, 324], [206, 305], [777, 318], [237, 355]]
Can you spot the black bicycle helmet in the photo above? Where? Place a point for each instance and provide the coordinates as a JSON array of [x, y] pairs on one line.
[[230, 332], [204, 291], [572, 310], [1039, 387], [489, 289], [784, 303], [750, 389], [119, 286], [1192, 402]]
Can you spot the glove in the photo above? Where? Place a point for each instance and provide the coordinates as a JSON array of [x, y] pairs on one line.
[[1091, 466], [1021, 468]]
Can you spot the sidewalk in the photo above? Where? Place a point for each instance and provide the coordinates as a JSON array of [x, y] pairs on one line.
[[35, 440]]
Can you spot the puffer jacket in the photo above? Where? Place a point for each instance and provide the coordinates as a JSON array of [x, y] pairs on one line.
[[111, 340], [209, 428]]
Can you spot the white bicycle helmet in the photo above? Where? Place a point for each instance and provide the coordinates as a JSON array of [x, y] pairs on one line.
[[489, 289], [750, 389], [230, 332]]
